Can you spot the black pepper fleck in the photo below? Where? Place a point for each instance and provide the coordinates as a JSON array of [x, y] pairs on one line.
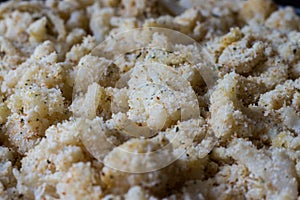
[[294, 51]]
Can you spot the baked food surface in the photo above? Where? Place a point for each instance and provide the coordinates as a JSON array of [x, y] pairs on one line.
[[226, 114]]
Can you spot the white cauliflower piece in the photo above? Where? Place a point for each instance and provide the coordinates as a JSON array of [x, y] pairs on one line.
[[78, 19], [157, 181], [86, 106], [271, 73], [284, 19], [189, 19], [80, 182], [216, 47], [95, 102], [119, 99], [92, 69], [97, 138], [7, 178], [80, 50], [44, 165], [280, 96], [100, 21], [275, 168], [136, 192], [229, 115], [122, 24], [290, 118], [159, 96], [290, 50], [242, 56], [37, 30], [15, 25], [40, 69], [33, 109]]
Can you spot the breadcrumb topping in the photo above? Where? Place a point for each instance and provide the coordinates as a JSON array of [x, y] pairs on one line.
[[66, 113]]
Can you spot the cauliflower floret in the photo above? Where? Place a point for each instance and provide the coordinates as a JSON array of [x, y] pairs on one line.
[[97, 138], [40, 69], [7, 178], [131, 156], [280, 96], [189, 19], [37, 30], [275, 169], [257, 9], [159, 96], [242, 56], [271, 73], [284, 19], [121, 24], [94, 69], [75, 36], [161, 22], [290, 118], [44, 165], [136, 192], [100, 21], [87, 105], [94, 102], [136, 99], [33, 109], [230, 113], [7, 47], [191, 144], [286, 139], [290, 50], [119, 99], [229, 183], [80, 50], [134, 158], [78, 19], [15, 25], [80, 182], [215, 48], [256, 175]]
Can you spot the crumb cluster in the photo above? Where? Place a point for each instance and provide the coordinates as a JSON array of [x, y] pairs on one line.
[[245, 125]]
